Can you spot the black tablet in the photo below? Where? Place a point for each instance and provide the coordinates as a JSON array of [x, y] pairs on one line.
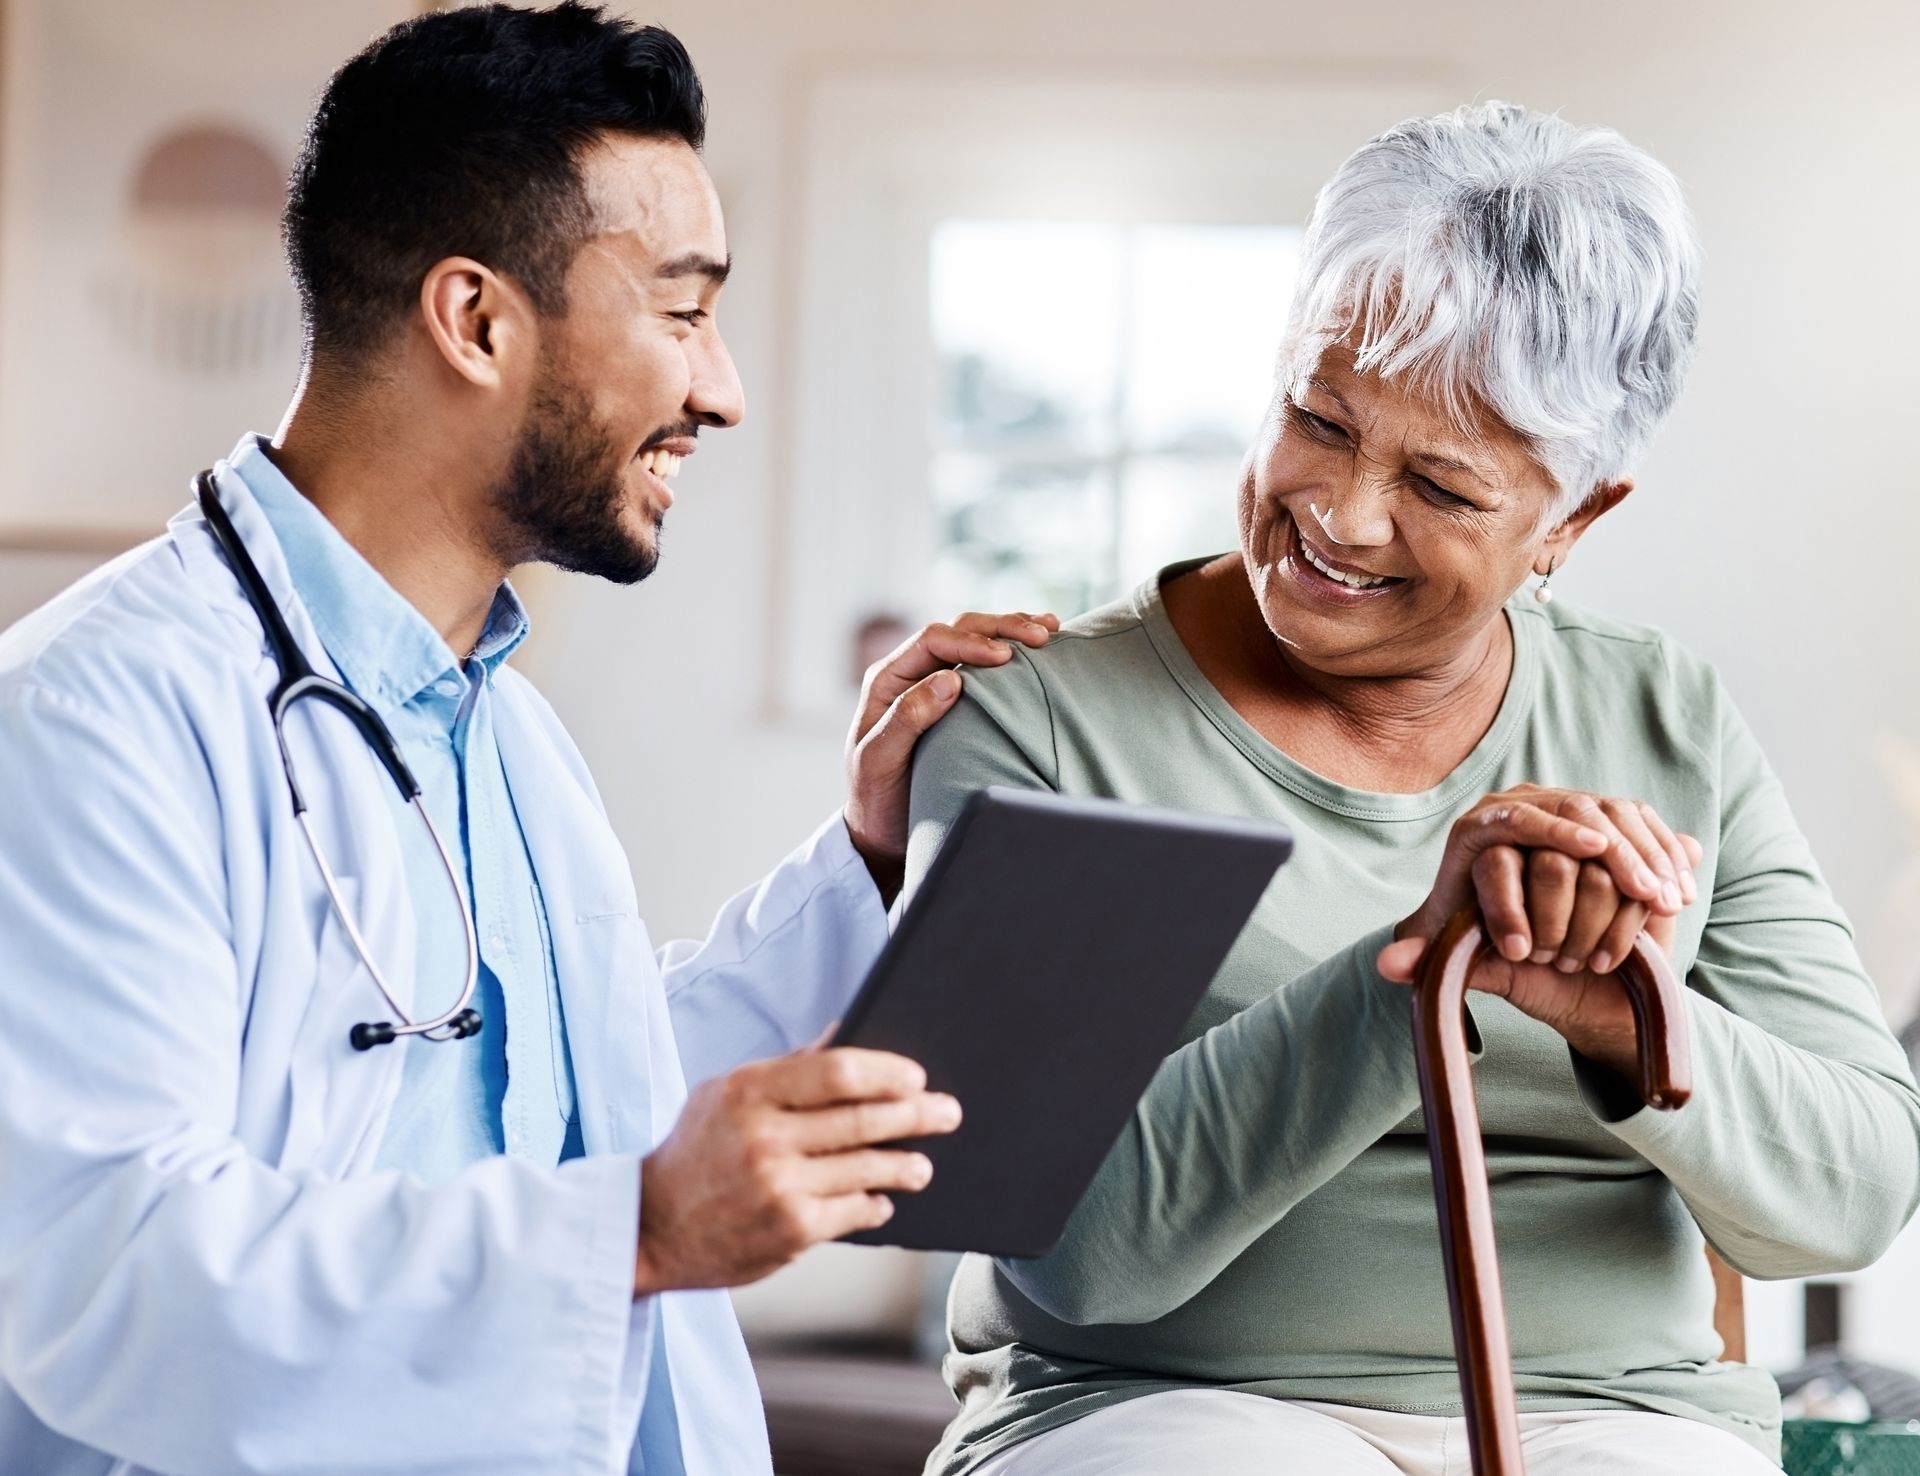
[[1041, 974]]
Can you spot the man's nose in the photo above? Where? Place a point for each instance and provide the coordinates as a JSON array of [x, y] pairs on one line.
[[714, 396]]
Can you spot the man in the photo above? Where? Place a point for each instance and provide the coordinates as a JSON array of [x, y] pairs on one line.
[[229, 1240]]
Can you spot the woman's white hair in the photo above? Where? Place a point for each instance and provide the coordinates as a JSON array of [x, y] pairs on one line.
[[1501, 259]]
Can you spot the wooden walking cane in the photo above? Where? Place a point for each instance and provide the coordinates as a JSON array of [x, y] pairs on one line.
[[1460, 1160]]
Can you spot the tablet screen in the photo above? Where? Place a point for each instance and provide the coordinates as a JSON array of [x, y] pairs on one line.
[[1048, 1018]]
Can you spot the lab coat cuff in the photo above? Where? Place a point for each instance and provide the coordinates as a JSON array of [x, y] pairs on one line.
[[613, 1351], [868, 918], [831, 848]]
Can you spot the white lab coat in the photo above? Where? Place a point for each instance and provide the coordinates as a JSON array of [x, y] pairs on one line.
[[200, 1272]]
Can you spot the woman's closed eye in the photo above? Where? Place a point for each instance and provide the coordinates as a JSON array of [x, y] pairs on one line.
[[1332, 433], [1317, 426], [1436, 494]]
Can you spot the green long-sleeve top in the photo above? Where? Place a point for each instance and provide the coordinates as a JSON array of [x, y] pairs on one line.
[[1266, 1221]]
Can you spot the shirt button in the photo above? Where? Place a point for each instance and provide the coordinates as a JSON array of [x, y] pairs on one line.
[[447, 687]]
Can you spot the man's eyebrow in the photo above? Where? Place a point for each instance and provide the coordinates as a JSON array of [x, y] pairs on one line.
[[696, 264]]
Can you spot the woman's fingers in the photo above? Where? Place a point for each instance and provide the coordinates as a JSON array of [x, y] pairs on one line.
[[1499, 885], [1528, 901], [1519, 823], [1504, 821], [1629, 818], [1626, 858], [1678, 856], [1662, 930], [1597, 902], [1617, 942], [1560, 877], [1552, 878], [1399, 959]]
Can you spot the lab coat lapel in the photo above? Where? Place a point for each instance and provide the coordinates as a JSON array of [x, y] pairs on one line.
[[339, 1097], [602, 957]]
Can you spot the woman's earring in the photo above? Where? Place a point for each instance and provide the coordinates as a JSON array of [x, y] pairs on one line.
[[1543, 591]]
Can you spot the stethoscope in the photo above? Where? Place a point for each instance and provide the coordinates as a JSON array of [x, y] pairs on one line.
[[298, 681]]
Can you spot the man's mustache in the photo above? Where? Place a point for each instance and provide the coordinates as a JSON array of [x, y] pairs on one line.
[[688, 431]]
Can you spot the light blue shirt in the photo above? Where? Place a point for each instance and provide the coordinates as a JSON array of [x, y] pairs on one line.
[[203, 1266], [510, 1088]]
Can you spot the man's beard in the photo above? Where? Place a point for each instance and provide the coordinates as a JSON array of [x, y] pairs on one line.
[[562, 495]]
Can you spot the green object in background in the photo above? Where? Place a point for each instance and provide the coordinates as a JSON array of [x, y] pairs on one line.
[[1827, 1448]]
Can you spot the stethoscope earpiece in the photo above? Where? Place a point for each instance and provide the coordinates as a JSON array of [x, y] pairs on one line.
[[365, 1037]]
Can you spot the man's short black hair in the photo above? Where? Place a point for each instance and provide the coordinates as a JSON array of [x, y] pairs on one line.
[[458, 133]]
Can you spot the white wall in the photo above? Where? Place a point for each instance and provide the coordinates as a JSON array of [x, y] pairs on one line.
[[88, 91], [1776, 517]]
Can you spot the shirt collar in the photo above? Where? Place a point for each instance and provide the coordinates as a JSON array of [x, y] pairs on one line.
[[387, 651]]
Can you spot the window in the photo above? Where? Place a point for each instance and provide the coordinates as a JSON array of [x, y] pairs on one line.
[[1031, 337], [1096, 387]]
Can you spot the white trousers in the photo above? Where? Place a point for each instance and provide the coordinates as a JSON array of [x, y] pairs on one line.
[[1222, 1433]]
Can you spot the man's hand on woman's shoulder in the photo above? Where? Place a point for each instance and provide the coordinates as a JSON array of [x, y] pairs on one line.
[[902, 697], [1564, 881]]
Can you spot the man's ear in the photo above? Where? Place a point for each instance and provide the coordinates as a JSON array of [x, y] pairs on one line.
[[479, 323], [1559, 543]]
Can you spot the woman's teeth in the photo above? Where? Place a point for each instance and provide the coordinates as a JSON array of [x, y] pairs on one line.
[[661, 463], [1352, 581]]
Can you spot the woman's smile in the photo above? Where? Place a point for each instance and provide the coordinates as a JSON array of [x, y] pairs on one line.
[[1316, 573]]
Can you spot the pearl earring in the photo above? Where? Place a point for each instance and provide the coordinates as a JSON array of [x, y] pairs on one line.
[[1543, 591]]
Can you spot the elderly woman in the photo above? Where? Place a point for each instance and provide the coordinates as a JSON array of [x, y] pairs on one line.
[[1495, 312]]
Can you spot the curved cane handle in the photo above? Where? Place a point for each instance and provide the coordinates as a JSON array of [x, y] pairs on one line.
[[1665, 1080]]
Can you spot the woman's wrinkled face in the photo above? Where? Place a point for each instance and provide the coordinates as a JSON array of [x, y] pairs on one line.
[[1380, 541]]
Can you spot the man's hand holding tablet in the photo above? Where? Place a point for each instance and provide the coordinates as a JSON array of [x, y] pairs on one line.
[[778, 1156]]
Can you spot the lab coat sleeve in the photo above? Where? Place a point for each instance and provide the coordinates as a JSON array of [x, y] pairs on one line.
[[782, 961], [169, 1299]]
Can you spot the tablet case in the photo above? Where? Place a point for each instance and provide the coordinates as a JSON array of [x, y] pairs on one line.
[[1041, 974]]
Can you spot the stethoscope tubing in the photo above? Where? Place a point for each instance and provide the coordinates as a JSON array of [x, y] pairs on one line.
[[299, 681], [428, 1028]]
